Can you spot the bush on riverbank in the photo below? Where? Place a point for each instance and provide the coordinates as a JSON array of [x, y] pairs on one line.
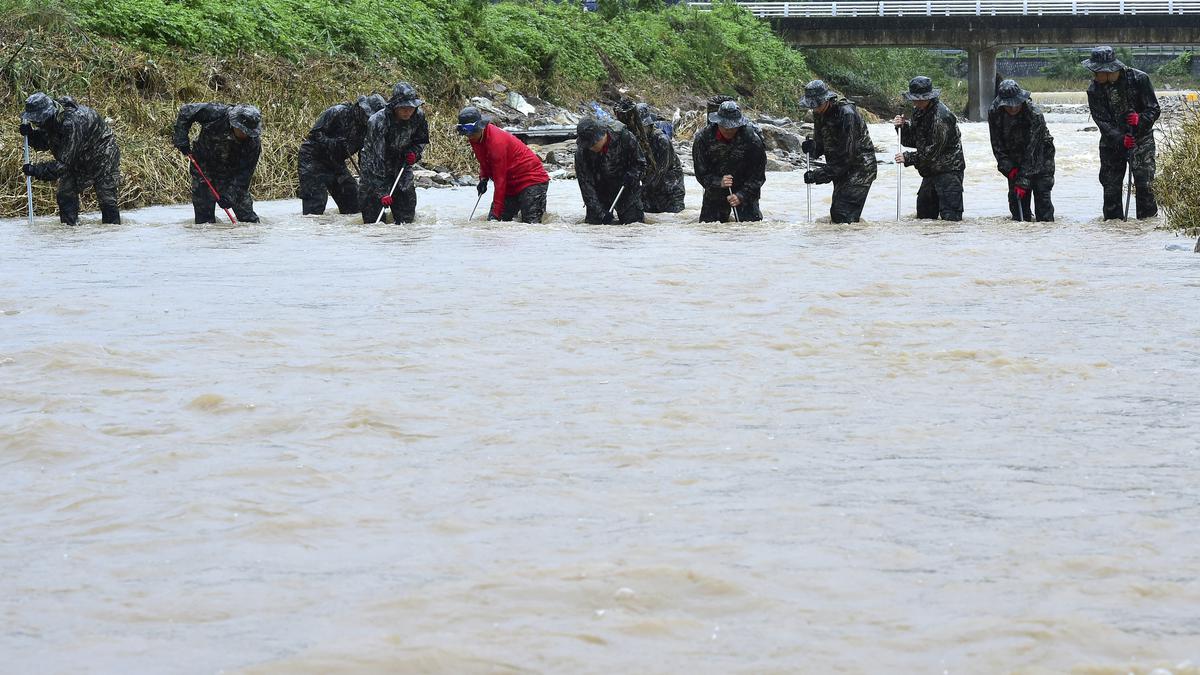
[[1177, 185], [877, 78]]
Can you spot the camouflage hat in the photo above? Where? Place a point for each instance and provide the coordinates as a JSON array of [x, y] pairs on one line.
[[1011, 93], [589, 131], [816, 93], [728, 116], [404, 95], [246, 119], [39, 108], [1104, 60], [371, 104], [920, 88]]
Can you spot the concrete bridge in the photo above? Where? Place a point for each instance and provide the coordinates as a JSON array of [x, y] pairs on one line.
[[981, 27]]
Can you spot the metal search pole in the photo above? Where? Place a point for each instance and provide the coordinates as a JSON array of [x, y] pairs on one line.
[[733, 209], [899, 175], [28, 182], [379, 218], [808, 188]]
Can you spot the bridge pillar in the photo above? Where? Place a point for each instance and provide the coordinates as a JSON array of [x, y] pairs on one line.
[[981, 81]]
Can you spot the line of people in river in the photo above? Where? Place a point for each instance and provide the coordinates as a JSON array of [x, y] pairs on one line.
[[626, 166]]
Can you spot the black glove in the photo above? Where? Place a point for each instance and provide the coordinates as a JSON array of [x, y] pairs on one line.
[[27, 169], [808, 147], [482, 186], [810, 176], [26, 129], [184, 147], [606, 218], [631, 180]]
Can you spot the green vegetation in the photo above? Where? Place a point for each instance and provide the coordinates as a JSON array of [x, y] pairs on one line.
[[1177, 185], [877, 78]]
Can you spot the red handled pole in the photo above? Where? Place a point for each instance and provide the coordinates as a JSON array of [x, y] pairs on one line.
[[211, 189]]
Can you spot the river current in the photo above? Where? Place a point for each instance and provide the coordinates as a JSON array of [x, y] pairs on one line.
[[310, 445]]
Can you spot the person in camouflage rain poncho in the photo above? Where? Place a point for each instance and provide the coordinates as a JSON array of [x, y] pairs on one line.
[[662, 184], [938, 155], [608, 162], [840, 134], [227, 150], [336, 136], [1024, 151], [730, 161], [84, 152], [396, 140], [1125, 108]]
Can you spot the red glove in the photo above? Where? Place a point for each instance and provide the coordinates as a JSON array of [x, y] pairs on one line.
[[1129, 142], [386, 200], [411, 158], [1012, 175], [1132, 119], [1021, 192]]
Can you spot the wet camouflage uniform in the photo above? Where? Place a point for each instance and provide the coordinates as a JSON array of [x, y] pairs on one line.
[[84, 152], [388, 142], [336, 136], [744, 157], [1110, 104], [939, 159], [601, 175], [1023, 142], [227, 162], [841, 135], [662, 183]]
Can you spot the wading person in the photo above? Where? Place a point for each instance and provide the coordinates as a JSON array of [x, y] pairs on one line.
[[662, 184], [609, 162], [840, 134], [396, 139], [1024, 151], [227, 150], [938, 156], [1125, 108], [730, 163], [336, 137], [518, 177], [84, 150]]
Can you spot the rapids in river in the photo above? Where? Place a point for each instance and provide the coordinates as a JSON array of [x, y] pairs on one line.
[[312, 445]]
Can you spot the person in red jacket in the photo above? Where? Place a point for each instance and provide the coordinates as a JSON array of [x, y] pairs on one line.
[[517, 174]]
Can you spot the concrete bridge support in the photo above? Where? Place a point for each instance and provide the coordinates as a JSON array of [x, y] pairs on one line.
[[981, 81]]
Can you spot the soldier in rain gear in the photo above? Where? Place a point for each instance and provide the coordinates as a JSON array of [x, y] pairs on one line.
[[938, 156], [519, 178], [336, 136], [608, 162], [1024, 151], [227, 150], [1125, 108], [662, 184], [84, 152], [731, 163], [840, 134], [396, 139], [648, 119]]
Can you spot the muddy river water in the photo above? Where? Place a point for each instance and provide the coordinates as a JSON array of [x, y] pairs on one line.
[[310, 445]]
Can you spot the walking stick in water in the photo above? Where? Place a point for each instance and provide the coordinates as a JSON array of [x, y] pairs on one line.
[[808, 187], [1128, 184], [28, 182], [477, 200], [733, 209], [899, 175], [614, 204], [379, 218], [211, 189]]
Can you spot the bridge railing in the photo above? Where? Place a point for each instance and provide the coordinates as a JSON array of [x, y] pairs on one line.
[[864, 8]]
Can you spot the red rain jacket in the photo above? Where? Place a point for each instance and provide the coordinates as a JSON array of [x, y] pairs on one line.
[[509, 163]]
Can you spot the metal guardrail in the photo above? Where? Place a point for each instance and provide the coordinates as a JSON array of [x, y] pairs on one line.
[[852, 8]]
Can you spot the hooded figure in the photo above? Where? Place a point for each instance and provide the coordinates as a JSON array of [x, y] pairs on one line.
[[840, 134], [1024, 151], [84, 152], [396, 139], [730, 161], [518, 175], [227, 150], [609, 162], [662, 183], [336, 136], [1125, 108], [938, 156]]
